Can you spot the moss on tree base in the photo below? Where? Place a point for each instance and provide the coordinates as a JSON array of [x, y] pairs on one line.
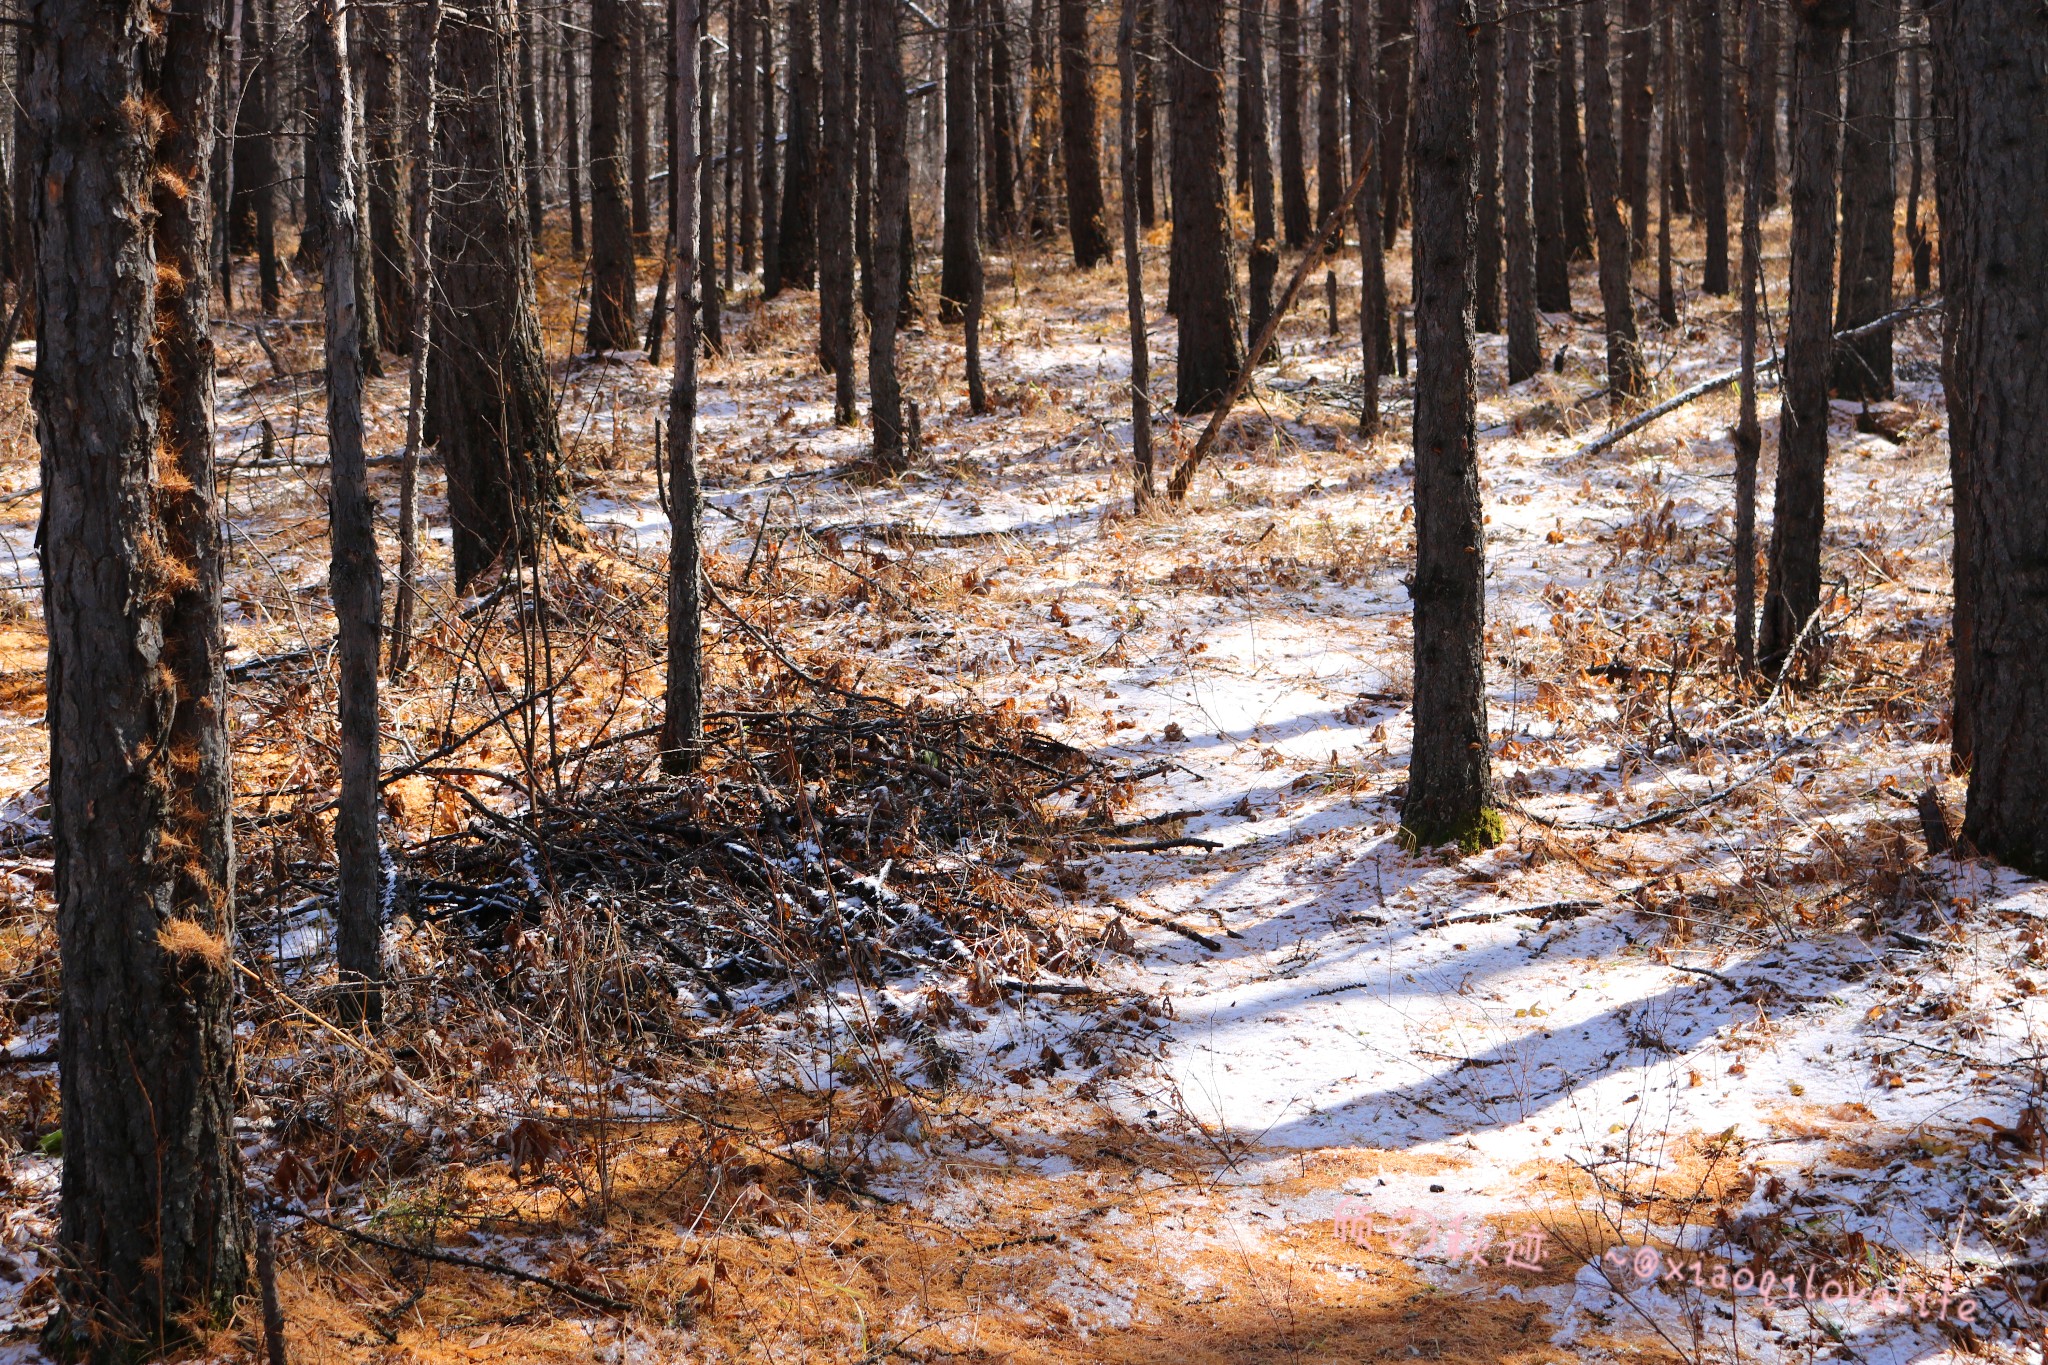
[[1482, 829]]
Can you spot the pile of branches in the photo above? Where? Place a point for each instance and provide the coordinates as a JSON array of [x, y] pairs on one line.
[[868, 839]]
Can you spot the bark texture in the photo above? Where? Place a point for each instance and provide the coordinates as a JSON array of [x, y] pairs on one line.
[[1863, 368], [150, 1227], [1081, 144], [1449, 770], [1990, 64], [1553, 273], [1711, 183], [836, 30], [1209, 353], [682, 725], [612, 287], [797, 242], [1294, 215], [1486, 315], [1525, 326], [960, 242], [890, 450], [1625, 378]]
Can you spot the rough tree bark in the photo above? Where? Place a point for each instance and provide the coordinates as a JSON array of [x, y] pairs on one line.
[[150, 1236], [839, 66], [1330, 178], [392, 285], [797, 243], [1081, 145], [1397, 46], [638, 153], [1039, 147], [1146, 54], [1711, 184], [682, 724], [959, 242], [426, 39], [1625, 378], [1256, 137], [487, 383], [744, 117], [1668, 179], [1637, 105], [1553, 273], [710, 299], [1002, 123], [1449, 770], [1990, 94], [1209, 354], [1870, 197], [1134, 272], [1486, 314], [1574, 198], [529, 121], [612, 286], [771, 218], [572, 130], [1800, 507], [1919, 246], [1525, 325], [355, 580], [1748, 431], [1294, 216], [889, 451], [1365, 144]]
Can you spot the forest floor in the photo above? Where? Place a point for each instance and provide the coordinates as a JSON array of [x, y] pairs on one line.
[[1710, 1010]]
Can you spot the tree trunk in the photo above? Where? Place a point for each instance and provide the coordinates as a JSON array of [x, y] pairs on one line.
[[1575, 200], [1773, 80], [960, 243], [1748, 431], [1637, 106], [1146, 54], [1863, 368], [1919, 247], [1486, 315], [884, 77], [1082, 147], [797, 243], [1365, 143], [840, 70], [426, 39], [1134, 273], [354, 578], [1330, 178], [1525, 324], [1668, 179], [487, 388], [1294, 216], [572, 136], [1553, 273], [529, 121], [1449, 770], [710, 311], [612, 325], [393, 280], [1991, 179], [1397, 34], [1801, 503], [729, 163], [1002, 196], [771, 220], [682, 724], [745, 128], [639, 166], [256, 170], [1711, 189], [1038, 170], [1264, 265], [1625, 379], [1208, 356], [151, 1234]]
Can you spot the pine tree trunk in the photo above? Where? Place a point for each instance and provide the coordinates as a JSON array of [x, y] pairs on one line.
[[1712, 187], [1870, 198], [960, 245], [1991, 179], [1134, 273], [1919, 247], [1038, 166], [1669, 181], [1553, 272], [840, 72], [1449, 774], [746, 129], [572, 137], [1486, 314], [1801, 501], [151, 1234], [890, 452], [256, 176], [1365, 143], [1294, 216], [1145, 52], [1575, 199], [1773, 83], [1397, 33], [1525, 325], [797, 243], [1002, 187], [354, 577], [771, 218], [1209, 357], [1748, 430], [426, 39], [388, 255], [1637, 106], [612, 325], [1264, 264], [487, 388], [1082, 145], [529, 121], [682, 724], [639, 165], [1625, 380], [1330, 178], [710, 300]]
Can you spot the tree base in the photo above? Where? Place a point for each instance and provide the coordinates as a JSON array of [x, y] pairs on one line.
[[1482, 829]]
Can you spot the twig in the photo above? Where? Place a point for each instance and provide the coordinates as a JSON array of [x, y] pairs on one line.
[[1152, 845], [589, 1297]]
